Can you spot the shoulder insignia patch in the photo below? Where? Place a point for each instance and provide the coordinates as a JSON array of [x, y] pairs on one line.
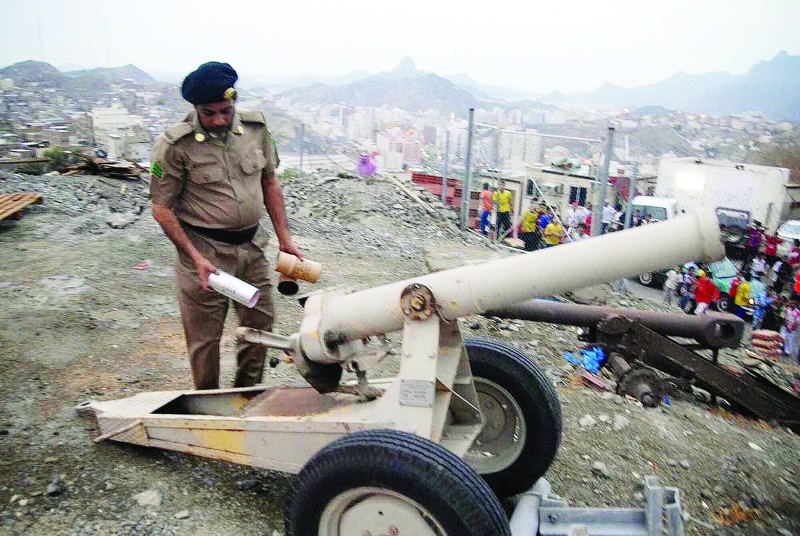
[[176, 132], [252, 117], [155, 170]]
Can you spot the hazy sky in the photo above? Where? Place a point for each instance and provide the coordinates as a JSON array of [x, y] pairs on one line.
[[543, 45]]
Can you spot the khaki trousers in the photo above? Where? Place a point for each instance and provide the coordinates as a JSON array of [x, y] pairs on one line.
[[203, 312]]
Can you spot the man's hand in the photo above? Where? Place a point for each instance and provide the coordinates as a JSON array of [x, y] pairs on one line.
[[291, 248], [204, 269]]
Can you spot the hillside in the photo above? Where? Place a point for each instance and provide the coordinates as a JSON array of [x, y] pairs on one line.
[[410, 89], [29, 72], [114, 73], [422, 92]]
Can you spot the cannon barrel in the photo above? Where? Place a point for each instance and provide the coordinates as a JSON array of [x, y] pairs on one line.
[[715, 330], [477, 288]]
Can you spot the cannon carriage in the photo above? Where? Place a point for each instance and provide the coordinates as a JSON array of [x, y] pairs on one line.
[[432, 450]]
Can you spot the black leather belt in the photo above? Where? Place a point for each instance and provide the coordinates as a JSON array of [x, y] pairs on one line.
[[237, 238]]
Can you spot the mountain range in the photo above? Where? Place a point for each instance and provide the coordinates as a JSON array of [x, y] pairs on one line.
[[771, 87], [28, 72], [409, 88]]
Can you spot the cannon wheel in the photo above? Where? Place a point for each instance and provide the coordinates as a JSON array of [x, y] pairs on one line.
[[725, 303], [391, 482], [523, 417]]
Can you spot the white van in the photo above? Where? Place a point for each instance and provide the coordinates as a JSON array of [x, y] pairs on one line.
[[659, 208]]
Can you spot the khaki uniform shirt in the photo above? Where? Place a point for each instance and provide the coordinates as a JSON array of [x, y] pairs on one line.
[[211, 183]]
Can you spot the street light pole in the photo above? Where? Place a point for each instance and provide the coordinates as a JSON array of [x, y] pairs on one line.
[[631, 194], [446, 166], [597, 213], [465, 190]]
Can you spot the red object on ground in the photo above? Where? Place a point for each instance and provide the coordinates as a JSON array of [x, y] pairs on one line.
[[594, 380]]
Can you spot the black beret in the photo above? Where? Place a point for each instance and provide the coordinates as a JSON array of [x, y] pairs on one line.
[[211, 82]]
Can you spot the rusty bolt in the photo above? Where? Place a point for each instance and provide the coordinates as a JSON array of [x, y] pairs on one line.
[[393, 531], [417, 302]]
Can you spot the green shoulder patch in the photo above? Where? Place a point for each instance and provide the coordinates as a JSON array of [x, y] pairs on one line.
[[155, 170]]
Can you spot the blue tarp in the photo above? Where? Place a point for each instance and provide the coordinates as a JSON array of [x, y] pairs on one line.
[[590, 358]]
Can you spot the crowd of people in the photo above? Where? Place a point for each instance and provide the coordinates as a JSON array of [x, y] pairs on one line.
[[766, 288], [541, 226]]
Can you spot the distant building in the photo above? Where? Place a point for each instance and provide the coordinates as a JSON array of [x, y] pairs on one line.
[[396, 141], [121, 134], [359, 126], [516, 148], [429, 135]]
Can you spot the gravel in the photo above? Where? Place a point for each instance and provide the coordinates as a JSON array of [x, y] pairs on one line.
[[80, 323]]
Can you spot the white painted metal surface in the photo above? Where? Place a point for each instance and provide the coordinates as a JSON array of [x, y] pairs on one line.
[[464, 290]]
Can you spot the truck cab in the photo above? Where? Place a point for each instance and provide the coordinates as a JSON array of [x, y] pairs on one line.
[[659, 208]]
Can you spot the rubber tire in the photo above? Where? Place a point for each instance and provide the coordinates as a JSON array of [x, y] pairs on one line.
[[647, 279], [537, 398], [415, 467], [725, 304]]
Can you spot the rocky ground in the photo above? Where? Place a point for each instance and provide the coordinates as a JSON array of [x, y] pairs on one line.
[[88, 312]]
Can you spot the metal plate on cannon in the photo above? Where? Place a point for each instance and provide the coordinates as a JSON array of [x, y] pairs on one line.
[[417, 393]]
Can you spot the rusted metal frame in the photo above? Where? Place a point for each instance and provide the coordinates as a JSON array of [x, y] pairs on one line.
[[743, 391]]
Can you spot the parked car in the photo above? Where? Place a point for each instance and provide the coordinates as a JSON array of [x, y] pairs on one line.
[[789, 231], [721, 273]]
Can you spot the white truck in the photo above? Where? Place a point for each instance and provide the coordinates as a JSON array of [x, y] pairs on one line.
[[737, 191]]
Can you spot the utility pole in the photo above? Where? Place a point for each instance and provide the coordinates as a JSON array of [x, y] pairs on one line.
[[466, 188], [631, 194], [597, 213], [302, 143], [446, 166], [497, 148]]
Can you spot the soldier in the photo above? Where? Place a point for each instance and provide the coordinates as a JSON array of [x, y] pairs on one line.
[[213, 174]]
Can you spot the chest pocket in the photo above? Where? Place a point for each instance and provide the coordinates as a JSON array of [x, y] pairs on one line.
[[205, 169], [253, 162]]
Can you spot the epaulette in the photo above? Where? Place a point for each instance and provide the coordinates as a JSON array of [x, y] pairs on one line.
[[176, 132], [248, 116]]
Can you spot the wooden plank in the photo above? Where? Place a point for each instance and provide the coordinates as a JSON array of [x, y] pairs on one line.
[[11, 205], [10, 199]]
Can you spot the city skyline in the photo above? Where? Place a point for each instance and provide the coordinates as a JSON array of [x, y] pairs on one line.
[[574, 46]]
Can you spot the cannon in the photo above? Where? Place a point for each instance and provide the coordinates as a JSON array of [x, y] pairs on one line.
[[428, 451], [651, 340]]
